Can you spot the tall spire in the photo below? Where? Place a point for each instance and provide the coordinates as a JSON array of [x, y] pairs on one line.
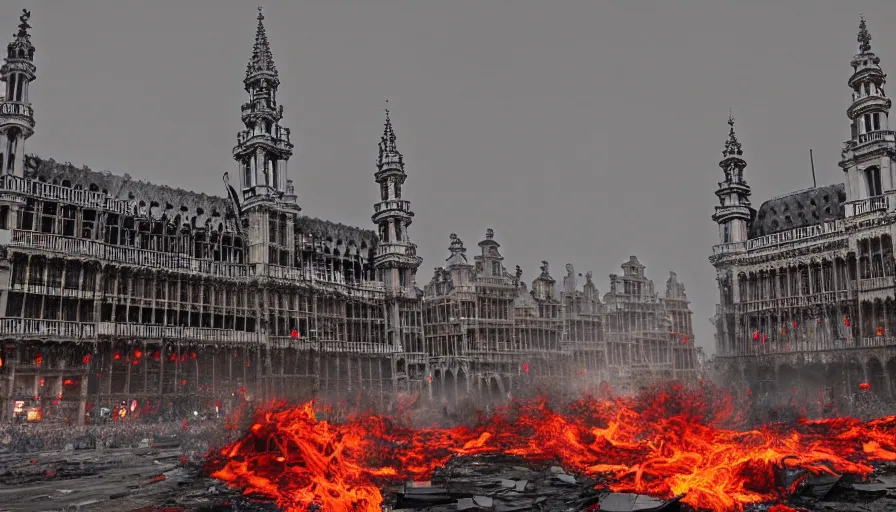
[[264, 146], [262, 61], [732, 145], [864, 157], [388, 150], [734, 212], [864, 37], [16, 114]]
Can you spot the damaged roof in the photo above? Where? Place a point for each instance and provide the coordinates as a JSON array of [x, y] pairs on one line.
[[804, 208], [162, 201]]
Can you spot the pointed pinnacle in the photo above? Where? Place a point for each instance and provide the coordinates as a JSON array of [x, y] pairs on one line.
[[864, 37]]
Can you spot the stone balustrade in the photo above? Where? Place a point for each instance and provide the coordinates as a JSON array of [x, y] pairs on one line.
[[868, 205], [95, 249], [35, 328], [159, 332]]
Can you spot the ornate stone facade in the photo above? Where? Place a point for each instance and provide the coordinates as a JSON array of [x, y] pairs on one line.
[[807, 282], [120, 292]]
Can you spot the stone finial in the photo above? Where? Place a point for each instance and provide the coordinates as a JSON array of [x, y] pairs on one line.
[[544, 268], [864, 37], [732, 145], [23, 24], [518, 273], [489, 234]]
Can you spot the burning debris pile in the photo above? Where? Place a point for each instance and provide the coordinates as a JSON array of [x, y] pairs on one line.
[[508, 483], [684, 443]]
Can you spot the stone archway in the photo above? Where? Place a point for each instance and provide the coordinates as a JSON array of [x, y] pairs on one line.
[[450, 395], [855, 375], [494, 391], [438, 385], [890, 368], [463, 385]]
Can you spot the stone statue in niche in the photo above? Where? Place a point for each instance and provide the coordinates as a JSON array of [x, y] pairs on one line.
[[588, 281], [544, 267]]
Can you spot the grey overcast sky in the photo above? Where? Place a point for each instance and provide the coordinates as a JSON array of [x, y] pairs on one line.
[[580, 131]]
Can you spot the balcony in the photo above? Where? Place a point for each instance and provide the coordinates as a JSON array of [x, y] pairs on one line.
[[872, 284], [879, 135], [318, 276], [126, 255], [866, 206], [729, 248], [85, 198], [159, 332], [16, 108], [777, 241], [334, 346], [33, 328], [392, 205]]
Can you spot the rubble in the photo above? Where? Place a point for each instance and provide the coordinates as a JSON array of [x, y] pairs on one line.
[[504, 483], [161, 480]]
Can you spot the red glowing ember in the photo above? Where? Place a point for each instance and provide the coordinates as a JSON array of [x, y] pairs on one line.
[[663, 444]]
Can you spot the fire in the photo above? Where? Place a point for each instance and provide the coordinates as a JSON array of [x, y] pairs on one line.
[[676, 442]]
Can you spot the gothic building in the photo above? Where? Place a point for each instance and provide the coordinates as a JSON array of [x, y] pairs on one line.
[[121, 292], [487, 334], [807, 281]]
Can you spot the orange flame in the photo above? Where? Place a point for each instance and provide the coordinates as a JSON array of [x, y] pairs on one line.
[[664, 444]]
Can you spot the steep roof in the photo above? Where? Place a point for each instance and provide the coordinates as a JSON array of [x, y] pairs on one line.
[[804, 208], [194, 208]]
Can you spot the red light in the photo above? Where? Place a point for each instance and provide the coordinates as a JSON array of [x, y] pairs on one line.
[[430, 379], [193, 355], [784, 331], [183, 382], [136, 362], [156, 355], [42, 382], [756, 335], [294, 333], [880, 331], [38, 360], [173, 357], [86, 359], [795, 324], [138, 354], [116, 356], [864, 386], [846, 321], [526, 367]]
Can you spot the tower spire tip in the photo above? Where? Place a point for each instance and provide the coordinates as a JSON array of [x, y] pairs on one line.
[[864, 37], [732, 145]]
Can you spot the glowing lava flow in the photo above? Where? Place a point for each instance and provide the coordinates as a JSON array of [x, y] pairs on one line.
[[663, 444]]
